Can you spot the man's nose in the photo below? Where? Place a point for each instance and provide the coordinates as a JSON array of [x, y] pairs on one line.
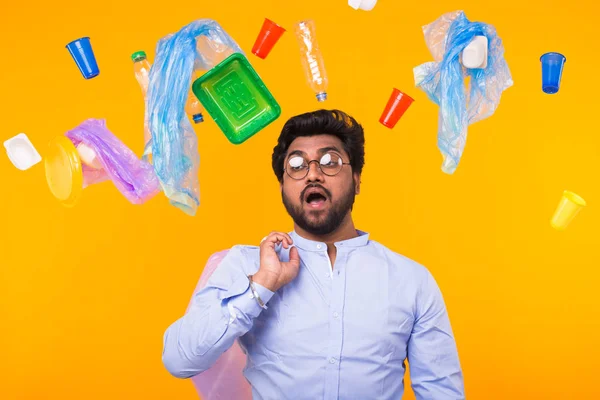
[[314, 172]]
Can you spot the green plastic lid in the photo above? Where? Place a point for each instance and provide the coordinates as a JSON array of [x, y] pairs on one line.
[[138, 56]]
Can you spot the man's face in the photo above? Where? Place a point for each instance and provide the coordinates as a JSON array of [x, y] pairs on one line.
[[318, 203]]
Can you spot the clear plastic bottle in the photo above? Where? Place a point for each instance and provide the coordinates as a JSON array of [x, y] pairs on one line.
[[141, 68], [312, 59], [193, 106]]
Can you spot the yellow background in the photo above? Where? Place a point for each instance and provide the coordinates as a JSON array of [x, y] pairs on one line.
[[86, 293]]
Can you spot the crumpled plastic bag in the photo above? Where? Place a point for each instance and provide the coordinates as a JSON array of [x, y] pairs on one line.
[[133, 177], [443, 81], [173, 143]]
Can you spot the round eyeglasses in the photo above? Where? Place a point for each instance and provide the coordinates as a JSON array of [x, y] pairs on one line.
[[330, 164]]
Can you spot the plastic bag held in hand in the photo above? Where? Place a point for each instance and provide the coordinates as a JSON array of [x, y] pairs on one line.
[[133, 177], [443, 80], [174, 143]]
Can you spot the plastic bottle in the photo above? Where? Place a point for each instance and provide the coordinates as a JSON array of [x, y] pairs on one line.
[[193, 106], [141, 68], [312, 59]]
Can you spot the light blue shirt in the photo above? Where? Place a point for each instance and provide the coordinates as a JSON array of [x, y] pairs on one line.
[[332, 333]]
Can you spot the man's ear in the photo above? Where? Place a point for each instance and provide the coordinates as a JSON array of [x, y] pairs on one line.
[[356, 183]]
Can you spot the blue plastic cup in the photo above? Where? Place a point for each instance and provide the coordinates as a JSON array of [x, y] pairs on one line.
[[82, 53], [552, 67]]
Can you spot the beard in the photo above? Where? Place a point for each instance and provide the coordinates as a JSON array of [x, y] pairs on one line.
[[320, 222]]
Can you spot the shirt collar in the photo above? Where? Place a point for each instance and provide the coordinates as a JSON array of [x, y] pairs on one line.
[[310, 245]]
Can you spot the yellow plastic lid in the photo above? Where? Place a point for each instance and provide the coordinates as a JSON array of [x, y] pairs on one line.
[[63, 170]]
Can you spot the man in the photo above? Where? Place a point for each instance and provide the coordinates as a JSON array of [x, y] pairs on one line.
[[323, 312]]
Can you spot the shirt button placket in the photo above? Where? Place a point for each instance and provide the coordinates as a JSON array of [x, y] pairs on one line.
[[336, 330]]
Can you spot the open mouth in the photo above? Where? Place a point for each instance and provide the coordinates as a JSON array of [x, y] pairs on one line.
[[315, 198]]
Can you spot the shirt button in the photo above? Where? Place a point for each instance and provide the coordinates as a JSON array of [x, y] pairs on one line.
[[319, 247], [332, 360], [328, 275], [336, 315]]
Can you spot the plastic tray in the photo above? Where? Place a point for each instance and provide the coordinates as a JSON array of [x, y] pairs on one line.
[[236, 98]]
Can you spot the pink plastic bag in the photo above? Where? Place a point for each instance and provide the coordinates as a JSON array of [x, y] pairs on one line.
[[225, 379], [134, 178]]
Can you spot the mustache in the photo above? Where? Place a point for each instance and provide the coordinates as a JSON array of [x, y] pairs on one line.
[[311, 186]]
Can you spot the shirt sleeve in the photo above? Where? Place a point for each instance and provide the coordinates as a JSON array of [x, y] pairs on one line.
[[220, 313], [434, 365]]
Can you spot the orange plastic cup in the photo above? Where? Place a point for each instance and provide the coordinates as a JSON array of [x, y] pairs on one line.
[[395, 108], [269, 35]]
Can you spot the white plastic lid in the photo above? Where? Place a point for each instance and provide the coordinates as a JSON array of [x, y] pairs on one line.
[[21, 152], [366, 5]]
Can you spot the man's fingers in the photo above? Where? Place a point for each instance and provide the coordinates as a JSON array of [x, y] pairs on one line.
[[294, 256], [276, 237]]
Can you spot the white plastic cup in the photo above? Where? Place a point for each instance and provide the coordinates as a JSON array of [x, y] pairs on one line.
[[88, 156], [475, 55], [366, 5]]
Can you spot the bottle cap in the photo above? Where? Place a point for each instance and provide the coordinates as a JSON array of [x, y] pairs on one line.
[[138, 56]]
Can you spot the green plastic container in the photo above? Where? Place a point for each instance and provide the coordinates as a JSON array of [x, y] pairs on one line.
[[236, 98]]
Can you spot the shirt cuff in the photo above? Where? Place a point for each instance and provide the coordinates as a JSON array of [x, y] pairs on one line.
[[246, 304], [264, 293]]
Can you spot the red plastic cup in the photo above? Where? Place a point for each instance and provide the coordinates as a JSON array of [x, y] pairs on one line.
[[268, 36], [395, 108]]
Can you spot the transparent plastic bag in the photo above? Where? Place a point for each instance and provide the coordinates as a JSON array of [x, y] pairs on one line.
[[174, 143], [443, 81], [133, 177]]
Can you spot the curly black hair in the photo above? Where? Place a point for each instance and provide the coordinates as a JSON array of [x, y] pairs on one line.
[[322, 122]]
